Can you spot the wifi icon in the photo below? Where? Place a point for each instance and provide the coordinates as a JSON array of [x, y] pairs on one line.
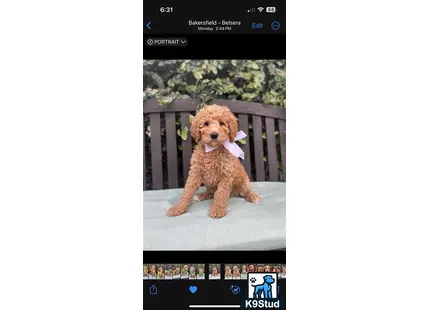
[[261, 9]]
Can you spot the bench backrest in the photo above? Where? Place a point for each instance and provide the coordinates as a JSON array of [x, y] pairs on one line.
[[166, 156]]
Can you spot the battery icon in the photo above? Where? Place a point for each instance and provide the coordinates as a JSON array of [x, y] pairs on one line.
[[270, 9]]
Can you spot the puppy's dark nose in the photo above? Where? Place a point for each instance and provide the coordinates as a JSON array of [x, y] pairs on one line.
[[214, 135]]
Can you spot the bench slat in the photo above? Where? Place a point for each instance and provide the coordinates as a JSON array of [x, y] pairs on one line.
[[243, 125], [144, 153], [177, 105], [156, 159], [271, 149], [172, 151], [253, 108], [187, 147], [235, 106], [283, 147], [258, 148]]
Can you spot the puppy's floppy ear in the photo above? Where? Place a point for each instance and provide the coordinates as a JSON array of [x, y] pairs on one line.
[[232, 125], [195, 132]]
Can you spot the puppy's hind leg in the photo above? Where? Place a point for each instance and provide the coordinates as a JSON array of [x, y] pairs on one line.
[[252, 197], [246, 192], [203, 196]]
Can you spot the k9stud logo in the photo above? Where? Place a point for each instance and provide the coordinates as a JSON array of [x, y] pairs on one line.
[[262, 285], [262, 290]]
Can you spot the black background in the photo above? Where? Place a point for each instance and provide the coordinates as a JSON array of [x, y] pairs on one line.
[[219, 46], [175, 294], [183, 11], [213, 257], [242, 42]]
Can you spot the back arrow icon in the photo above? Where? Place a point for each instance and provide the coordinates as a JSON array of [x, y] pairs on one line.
[[147, 25]]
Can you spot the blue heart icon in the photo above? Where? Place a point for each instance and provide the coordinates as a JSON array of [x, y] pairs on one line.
[[193, 289]]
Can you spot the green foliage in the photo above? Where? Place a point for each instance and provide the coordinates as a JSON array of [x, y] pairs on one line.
[[264, 135], [183, 133], [261, 81]]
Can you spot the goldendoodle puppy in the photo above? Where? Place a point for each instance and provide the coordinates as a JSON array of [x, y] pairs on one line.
[[219, 170]]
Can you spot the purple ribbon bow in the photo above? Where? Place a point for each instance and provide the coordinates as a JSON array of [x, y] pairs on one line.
[[232, 147]]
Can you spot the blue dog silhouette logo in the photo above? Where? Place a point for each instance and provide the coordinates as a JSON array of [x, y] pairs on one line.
[[262, 285]]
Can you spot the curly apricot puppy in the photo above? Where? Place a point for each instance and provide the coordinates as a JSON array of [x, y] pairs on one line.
[[220, 171]]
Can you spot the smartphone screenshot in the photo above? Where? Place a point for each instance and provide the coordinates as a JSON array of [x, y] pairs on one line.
[[214, 124]]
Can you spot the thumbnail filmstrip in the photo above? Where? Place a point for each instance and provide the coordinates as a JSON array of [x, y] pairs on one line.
[[240, 271], [197, 271], [174, 271]]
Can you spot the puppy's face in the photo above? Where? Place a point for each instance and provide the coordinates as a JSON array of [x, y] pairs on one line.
[[213, 125]]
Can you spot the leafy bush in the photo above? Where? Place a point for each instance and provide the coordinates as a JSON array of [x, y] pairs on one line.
[[260, 81]]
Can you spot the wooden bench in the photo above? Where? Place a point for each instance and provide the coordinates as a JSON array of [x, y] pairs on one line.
[[264, 149]]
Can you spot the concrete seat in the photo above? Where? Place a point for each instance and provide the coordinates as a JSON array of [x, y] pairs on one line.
[[246, 226]]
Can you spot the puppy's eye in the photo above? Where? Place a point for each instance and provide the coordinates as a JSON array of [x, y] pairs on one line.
[[222, 123], [206, 124]]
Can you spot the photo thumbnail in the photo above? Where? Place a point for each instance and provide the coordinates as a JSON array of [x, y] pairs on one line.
[[152, 272], [236, 272], [215, 271], [184, 271], [160, 272], [168, 272], [192, 273], [284, 272], [176, 273], [228, 273], [200, 271], [145, 271], [244, 272]]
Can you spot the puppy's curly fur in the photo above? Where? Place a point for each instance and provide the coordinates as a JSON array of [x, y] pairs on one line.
[[220, 171]]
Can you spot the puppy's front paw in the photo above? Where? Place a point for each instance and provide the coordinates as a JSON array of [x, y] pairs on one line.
[[252, 197], [176, 211], [218, 212]]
